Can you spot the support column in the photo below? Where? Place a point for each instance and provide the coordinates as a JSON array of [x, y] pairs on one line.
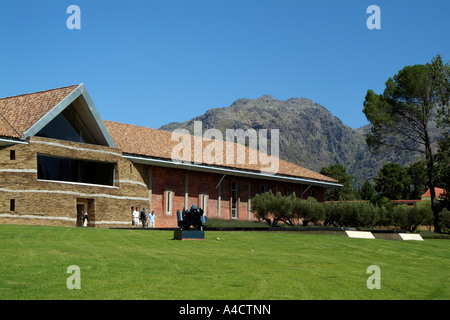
[[149, 186], [249, 201], [186, 190], [219, 199], [219, 195]]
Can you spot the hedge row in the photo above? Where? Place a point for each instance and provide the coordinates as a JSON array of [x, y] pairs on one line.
[[274, 208]]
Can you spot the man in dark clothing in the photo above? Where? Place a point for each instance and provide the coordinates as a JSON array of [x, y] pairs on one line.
[[143, 217]]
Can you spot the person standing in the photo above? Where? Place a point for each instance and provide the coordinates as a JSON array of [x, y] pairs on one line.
[[136, 217], [143, 218], [151, 219], [86, 221]]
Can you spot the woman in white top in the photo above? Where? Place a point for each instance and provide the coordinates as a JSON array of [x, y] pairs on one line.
[[136, 217]]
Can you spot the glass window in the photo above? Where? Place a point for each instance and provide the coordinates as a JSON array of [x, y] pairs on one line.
[[263, 189], [234, 201], [75, 170], [203, 202], [67, 126], [169, 196]]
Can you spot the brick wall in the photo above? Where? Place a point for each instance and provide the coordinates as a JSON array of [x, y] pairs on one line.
[[24, 199], [55, 203]]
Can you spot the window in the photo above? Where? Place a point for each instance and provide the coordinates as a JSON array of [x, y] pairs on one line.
[[67, 126], [234, 200], [169, 199], [75, 170], [12, 205], [263, 189], [203, 202], [289, 191], [12, 154]]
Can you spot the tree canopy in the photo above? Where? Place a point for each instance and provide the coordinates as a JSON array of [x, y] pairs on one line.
[[401, 117], [339, 172], [393, 182]]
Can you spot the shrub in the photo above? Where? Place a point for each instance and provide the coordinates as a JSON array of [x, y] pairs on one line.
[[268, 205], [262, 205], [353, 214], [331, 214], [409, 218], [444, 220], [309, 210], [429, 217], [282, 209], [369, 215]]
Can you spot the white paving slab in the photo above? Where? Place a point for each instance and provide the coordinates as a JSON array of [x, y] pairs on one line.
[[411, 236], [360, 234]]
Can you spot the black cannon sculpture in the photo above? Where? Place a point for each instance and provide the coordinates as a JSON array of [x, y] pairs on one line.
[[190, 218]]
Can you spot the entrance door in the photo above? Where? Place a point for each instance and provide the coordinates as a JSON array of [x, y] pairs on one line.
[[85, 212], [81, 210]]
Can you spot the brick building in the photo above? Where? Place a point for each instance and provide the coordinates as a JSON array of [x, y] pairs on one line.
[[59, 159]]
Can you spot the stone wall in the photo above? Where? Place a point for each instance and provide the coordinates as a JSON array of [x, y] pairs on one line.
[[25, 199]]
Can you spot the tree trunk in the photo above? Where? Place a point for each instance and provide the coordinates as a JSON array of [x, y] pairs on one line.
[[430, 174], [275, 222]]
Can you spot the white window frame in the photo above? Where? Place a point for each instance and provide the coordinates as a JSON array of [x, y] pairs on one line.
[[234, 211], [204, 202], [168, 202]]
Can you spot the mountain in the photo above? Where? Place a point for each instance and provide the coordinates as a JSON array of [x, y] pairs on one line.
[[310, 135]]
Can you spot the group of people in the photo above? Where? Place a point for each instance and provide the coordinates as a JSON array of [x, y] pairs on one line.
[[142, 216]]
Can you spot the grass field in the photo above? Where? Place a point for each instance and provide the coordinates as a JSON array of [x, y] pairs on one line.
[[137, 264]]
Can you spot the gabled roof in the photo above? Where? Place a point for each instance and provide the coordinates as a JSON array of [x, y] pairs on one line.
[[23, 111], [439, 193], [27, 114], [6, 130], [153, 143]]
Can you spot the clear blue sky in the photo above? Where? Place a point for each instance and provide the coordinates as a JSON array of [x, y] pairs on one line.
[[151, 62]]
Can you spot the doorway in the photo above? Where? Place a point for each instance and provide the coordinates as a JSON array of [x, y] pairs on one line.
[[85, 213]]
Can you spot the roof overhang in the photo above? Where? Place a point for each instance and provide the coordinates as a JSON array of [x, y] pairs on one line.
[[87, 111], [234, 172], [4, 141]]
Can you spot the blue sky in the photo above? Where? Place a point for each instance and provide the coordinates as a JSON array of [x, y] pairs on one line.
[[153, 62]]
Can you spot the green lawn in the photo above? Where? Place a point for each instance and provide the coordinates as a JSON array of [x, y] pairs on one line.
[[136, 264]]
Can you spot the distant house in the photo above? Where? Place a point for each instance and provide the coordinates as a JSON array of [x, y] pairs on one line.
[[59, 161], [438, 191]]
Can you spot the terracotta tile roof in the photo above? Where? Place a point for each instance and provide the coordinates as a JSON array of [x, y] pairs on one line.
[[6, 130], [147, 142], [23, 111], [20, 113], [438, 191]]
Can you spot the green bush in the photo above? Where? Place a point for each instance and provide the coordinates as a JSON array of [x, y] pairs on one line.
[[444, 220], [408, 218], [429, 217], [273, 208], [309, 210], [282, 209], [353, 214], [359, 214], [261, 205]]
